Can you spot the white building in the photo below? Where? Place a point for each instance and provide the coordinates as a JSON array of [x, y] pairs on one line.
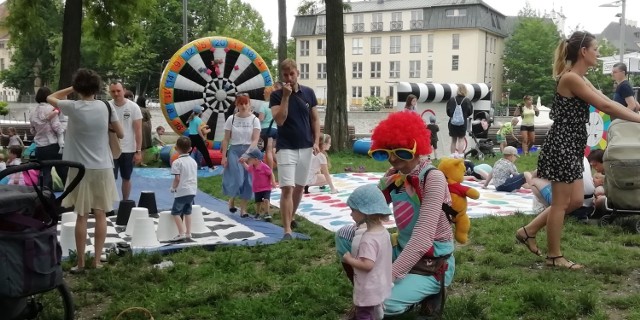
[[386, 41], [6, 94]]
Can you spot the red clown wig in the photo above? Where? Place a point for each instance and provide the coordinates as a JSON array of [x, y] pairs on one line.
[[400, 130]]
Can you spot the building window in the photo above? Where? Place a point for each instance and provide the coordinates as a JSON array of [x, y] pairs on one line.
[[304, 47], [455, 60], [414, 69], [429, 69], [374, 91], [416, 44], [376, 24], [356, 71], [321, 23], [394, 69], [1, 45], [417, 21], [461, 12], [322, 47], [395, 44], [430, 43], [391, 91], [455, 40], [396, 21], [376, 45], [357, 47], [322, 70], [494, 45], [376, 69], [356, 92], [358, 23], [304, 71]]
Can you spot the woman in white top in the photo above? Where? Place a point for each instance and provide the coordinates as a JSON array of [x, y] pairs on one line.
[[87, 142], [241, 131]]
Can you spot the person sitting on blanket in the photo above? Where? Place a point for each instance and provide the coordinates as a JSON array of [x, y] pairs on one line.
[[505, 175], [423, 228]]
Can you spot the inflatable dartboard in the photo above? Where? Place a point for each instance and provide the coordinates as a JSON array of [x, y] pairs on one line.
[[597, 130], [210, 72]]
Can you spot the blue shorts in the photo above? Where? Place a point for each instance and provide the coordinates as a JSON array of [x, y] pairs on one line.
[[262, 195], [124, 164], [546, 193], [182, 205]]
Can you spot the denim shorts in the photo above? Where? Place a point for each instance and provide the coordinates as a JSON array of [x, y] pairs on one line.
[[182, 205], [546, 193]]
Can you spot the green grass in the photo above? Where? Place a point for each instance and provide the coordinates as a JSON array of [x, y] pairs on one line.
[[495, 278]]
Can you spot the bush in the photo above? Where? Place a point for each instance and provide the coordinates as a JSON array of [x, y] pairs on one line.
[[4, 108], [372, 103]]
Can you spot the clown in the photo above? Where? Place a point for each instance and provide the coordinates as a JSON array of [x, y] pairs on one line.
[[424, 233]]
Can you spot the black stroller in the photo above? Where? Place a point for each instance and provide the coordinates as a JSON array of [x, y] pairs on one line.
[[479, 132], [32, 284]]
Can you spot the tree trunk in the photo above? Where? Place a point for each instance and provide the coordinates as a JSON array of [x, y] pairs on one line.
[[282, 32], [71, 38], [336, 120]]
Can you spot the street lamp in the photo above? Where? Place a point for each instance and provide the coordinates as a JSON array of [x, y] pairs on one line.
[[623, 4]]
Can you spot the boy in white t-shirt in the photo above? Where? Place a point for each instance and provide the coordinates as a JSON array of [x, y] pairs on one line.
[[184, 187]]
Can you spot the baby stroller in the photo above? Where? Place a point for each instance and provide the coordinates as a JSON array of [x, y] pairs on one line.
[[29, 245], [479, 131]]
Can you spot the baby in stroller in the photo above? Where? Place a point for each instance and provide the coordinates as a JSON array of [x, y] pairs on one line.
[[479, 131]]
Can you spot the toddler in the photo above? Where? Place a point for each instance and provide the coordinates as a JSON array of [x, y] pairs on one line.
[[14, 139], [598, 182], [3, 165], [319, 167], [262, 181], [371, 260], [184, 187], [433, 127], [505, 175], [501, 135]]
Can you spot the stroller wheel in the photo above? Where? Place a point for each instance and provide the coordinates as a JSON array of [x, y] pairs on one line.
[[606, 220]]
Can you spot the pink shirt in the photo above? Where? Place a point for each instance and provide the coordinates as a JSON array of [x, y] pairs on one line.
[[373, 287], [260, 177]]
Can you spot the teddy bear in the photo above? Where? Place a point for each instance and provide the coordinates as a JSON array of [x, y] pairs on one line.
[[453, 170]]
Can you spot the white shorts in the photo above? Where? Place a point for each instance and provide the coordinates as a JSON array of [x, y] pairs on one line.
[[293, 166]]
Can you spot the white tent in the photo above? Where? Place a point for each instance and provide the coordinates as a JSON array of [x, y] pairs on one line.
[[632, 60]]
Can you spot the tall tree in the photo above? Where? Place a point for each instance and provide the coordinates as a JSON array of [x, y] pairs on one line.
[[282, 32], [71, 37], [336, 119], [528, 59]]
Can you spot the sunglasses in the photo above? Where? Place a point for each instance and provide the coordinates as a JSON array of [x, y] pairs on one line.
[[242, 94], [401, 153]]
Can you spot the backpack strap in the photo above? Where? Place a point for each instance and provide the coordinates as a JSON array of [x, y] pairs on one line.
[[450, 213]]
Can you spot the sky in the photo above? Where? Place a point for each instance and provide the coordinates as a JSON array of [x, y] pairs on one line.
[[585, 13]]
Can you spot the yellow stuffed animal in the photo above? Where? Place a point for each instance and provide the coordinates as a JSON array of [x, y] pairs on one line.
[[453, 170]]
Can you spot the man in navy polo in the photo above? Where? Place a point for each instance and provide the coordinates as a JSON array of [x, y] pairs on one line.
[[294, 111]]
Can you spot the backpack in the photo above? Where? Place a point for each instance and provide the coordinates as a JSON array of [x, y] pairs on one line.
[[622, 166], [458, 117]]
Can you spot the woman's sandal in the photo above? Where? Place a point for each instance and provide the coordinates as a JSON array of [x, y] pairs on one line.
[[569, 265], [525, 240]]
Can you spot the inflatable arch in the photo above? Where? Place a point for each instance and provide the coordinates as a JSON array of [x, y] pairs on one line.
[[210, 72]]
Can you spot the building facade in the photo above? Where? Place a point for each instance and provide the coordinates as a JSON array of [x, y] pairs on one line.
[[6, 94], [428, 41]]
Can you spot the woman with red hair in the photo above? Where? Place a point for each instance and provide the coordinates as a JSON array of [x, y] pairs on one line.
[[424, 232], [241, 133]]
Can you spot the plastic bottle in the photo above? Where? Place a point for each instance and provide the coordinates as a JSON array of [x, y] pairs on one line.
[[163, 265]]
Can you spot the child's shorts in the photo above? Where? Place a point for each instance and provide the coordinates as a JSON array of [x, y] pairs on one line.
[[262, 195], [182, 205], [500, 138]]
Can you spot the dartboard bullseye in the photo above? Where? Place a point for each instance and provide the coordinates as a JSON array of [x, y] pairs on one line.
[[210, 72]]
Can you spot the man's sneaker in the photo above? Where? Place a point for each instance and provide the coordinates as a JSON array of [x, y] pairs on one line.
[[294, 224], [266, 217]]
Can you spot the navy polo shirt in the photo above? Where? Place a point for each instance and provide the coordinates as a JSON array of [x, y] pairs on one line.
[[296, 131], [623, 90]]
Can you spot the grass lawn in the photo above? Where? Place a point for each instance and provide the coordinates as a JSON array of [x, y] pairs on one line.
[[495, 278]]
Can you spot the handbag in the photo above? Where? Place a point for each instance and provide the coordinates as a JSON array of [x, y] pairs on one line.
[[114, 141]]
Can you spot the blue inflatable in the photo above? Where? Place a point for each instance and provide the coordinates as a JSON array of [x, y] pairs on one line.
[[362, 146]]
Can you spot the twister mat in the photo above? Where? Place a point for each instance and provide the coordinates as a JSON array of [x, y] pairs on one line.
[[225, 228], [331, 212]]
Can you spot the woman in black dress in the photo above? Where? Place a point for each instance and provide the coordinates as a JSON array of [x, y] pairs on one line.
[[457, 132], [561, 156]]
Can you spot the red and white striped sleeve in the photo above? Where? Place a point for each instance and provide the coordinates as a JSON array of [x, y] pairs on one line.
[[432, 224]]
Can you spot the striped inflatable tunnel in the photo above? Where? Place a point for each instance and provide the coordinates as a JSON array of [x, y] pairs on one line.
[[441, 92]]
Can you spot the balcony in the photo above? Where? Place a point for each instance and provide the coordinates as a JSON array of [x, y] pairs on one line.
[[396, 25], [358, 27], [376, 26], [417, 24], [321, 29]]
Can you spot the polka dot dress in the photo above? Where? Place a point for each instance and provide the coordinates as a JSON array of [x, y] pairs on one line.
[[561, 155]]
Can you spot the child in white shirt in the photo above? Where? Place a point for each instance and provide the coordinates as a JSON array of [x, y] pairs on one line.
[[184, 187]]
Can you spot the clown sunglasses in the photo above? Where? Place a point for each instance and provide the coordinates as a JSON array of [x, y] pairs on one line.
[[401, 153]]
